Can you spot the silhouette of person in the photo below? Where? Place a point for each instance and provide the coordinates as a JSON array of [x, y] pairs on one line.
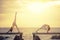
[[17, 37], [46, 27], [37, 38], [11, 29]]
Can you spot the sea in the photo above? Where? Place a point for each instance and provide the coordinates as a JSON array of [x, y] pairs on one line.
[[28, 33]]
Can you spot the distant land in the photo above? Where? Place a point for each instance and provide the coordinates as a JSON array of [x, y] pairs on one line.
[[27, 30]]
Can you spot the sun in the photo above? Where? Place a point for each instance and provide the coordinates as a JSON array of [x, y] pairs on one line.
[[35, 7]]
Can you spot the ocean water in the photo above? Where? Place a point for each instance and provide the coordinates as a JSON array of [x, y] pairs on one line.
[[27, 33]]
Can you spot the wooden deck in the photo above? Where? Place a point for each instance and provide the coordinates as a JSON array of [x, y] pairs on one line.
[[9, 33], [46, 33]]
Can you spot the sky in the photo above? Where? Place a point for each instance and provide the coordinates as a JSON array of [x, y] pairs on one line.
[[30, 13]]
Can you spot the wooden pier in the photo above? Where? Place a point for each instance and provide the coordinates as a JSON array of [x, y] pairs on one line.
[[46, 33], [9, 33]]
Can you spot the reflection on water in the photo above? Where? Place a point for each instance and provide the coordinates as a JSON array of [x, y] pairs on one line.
[[7, 37], [27, 34], [42, 37]]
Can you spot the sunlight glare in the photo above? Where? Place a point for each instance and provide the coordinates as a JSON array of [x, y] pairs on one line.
[[35, 7]]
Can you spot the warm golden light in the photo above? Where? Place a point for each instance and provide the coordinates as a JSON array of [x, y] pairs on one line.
[[30, 13], [35, 7]]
